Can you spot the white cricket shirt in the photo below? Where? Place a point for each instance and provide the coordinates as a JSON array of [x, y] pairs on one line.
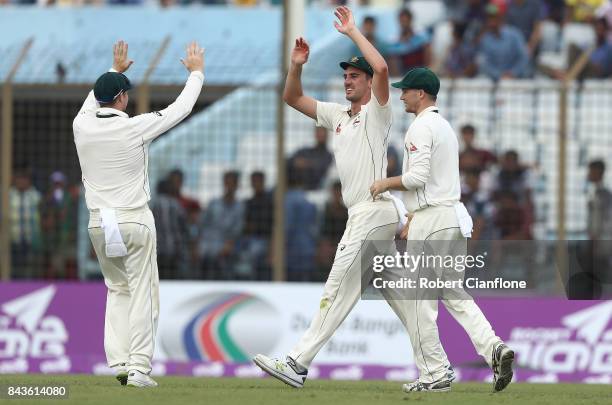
[[113, 148], [431, 162], [359, 145]]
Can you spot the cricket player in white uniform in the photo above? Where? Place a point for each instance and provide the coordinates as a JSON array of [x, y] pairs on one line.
[[360, 140], [113, 154], [431, 181]]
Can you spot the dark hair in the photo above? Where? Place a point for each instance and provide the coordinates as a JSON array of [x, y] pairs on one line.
[[405, 12], [511, 153], [468, 128], [597, 165], [369, 19], [163, 187], [176, 172], [231, 175], [459, 29], [258, 173], [603, 21]]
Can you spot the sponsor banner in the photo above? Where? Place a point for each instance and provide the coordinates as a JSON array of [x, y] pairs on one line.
[[51, 328], [213, 329]]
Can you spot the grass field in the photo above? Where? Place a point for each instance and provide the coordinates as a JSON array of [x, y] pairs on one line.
[[85, 389]]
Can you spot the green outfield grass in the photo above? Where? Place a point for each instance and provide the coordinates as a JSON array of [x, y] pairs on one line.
[[84, 389]]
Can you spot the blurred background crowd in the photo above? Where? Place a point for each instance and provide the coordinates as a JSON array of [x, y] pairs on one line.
[[230, 238]]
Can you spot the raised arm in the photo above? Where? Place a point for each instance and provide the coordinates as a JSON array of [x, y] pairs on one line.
[[293, 94], [380, 80], [153, 124], [121, 63]]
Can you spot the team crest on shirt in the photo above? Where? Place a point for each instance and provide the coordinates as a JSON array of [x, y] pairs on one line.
[[356, 122], [412, 147], [339, 128]]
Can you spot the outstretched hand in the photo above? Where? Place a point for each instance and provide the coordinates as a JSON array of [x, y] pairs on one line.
[[121, 62], [346, 19], [194, 59], [299, 54]]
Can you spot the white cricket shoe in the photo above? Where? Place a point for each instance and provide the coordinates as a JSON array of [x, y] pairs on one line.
[[121, 373], [140, 380], [502, 360], [442, 385], [287, 371]]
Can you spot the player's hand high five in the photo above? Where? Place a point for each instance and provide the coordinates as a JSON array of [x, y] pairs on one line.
[[194, 59], [301, 51], [347, 21], [121, 62]]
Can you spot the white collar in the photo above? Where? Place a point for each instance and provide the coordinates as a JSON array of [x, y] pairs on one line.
[[111, 111]]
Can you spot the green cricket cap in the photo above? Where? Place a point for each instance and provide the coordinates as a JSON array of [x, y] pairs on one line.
[[360, 63], [110, 85], [420, 79]]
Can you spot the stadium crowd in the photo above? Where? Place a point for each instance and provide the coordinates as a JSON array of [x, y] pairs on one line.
[[230, 238], [498, 39]]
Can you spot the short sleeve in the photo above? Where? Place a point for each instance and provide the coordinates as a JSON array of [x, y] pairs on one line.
[[381, 115], [328, 113]]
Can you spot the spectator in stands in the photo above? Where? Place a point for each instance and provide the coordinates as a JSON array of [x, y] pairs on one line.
[[527, 16], [514, 176], [502, 50], [58, 217], [172, 232], [479, 205], [605, 12], [25, 203], [471, 13], [176, 178], [510, 219], [300, 229], [582, 10], [335, 217], [599, 65], [394, 165], [368, 28], [220, 227], [594, 254], [412, 49], [194, 217], [483, 157], [599, 224], [313, 162], [461, 58], [600, 62], [513, 197], [258, 222], [554, 10]]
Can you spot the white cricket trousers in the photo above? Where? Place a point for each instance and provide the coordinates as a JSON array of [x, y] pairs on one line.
[[440, 223], [132, 300], [373, 221]]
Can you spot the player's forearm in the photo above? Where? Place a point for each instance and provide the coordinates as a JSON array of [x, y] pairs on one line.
[[293, 84], [394, 183], [370, 53], [184, 103]]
